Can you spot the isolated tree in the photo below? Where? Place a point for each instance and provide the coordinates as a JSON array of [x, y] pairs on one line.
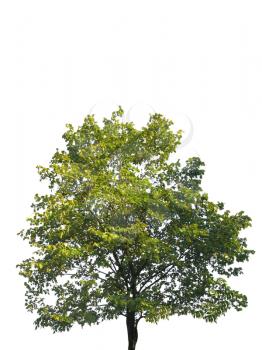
[[125, 232]]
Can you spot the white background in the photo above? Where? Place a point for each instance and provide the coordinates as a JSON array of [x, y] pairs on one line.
[[201, 59]]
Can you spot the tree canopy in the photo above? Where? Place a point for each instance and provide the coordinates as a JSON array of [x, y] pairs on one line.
[[125, 232]]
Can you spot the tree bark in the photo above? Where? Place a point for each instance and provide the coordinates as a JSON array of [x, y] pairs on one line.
[[131, 324]]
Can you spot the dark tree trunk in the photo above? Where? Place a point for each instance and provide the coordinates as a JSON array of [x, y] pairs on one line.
[[131, 324]]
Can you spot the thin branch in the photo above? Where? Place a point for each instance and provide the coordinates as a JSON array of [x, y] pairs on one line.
[[155, 281], [139, 318], [151, 277], [120, 269], [114, 269], [105, 273]]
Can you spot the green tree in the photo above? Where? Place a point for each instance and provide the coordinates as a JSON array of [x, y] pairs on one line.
[[125, 232]]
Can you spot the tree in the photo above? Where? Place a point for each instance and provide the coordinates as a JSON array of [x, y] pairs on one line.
[[125, 232]]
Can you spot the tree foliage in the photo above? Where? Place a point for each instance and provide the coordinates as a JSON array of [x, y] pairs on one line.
[[124, 231]]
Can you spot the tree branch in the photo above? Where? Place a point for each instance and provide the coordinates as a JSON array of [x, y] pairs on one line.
[[170, 266], [120, 269]]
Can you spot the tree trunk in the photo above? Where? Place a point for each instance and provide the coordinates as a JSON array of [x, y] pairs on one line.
[[131, 325]]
